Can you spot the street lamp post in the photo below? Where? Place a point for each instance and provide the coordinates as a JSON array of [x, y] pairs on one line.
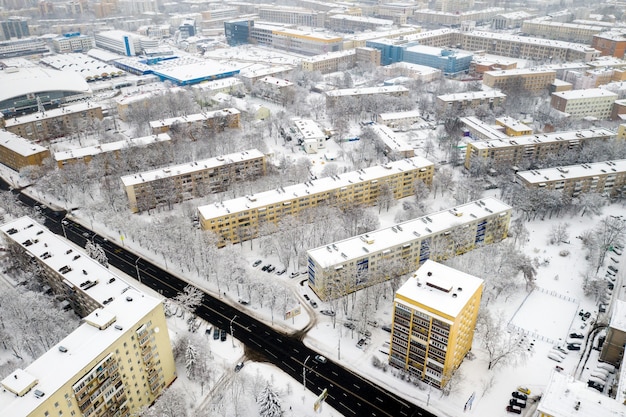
[[63, 223], [137, 268], [232, 332], [304, 372]]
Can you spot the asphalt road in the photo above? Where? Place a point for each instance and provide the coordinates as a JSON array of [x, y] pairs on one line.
[[348, 393]]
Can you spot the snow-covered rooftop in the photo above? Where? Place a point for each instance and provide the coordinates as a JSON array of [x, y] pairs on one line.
[[192, 118], [512, 124], [18, 144], [329, 55], [390, 139], [472, 95], [573, 171], [83, 65], [181, 169], [545, 138], [587, 93], [566, 397], [51, 113], [520, 71], [486, 131], [435, 51], [367, 90], [262, 70], [309, 129], [618, 318], [400, 115], [352, 248], [364, 19], [110, 147], [262, 199], [276, 82], [535, 41], [443, 289], [423, 69], [124, 305]]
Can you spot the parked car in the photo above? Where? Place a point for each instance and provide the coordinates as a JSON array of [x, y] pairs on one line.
[[577, 335], [572, 346], [208, 330], [361, 343], [223, 335], [244, 301], [216, 334], [313, 304], [614, 260], [523, 390], [349, 325], [586, 315], [617, 251], [282, 271], [372, 323], [386, 328], [602, 308], [518, 403], [306, 297], [612, 268], [328, 313], [238, 367], [595, 385], [513, 409], [294, 274], [271, 269], [365, 333], [320, 359], [266, 267], [257, 263]]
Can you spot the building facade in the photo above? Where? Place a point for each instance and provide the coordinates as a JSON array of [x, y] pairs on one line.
[[53, 123], [528, 149], [14, 28], [17, 152], [531, 80], [434, 317], [117, 361], [218, 119], [593, 102], [72, 42], [458, 102], [177, 183], [334, 97], [357, 262], [570, 32], [239, 219], [608, 177], [610, 44]]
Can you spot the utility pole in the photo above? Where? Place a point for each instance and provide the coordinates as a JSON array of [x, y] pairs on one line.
[[304, 372]]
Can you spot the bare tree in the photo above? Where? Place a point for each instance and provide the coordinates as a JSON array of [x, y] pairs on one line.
[[559, 233], [189, 299], [609, 232], [503, 346]]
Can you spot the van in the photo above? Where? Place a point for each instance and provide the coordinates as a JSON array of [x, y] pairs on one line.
[[552, 355]]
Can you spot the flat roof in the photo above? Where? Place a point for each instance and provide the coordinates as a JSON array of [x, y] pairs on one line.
[[513, 124], [472, 95], [51, 113], [390, 139], [125, 305], [538, 176], [261, 70], [363, 19], [110, 147], [181, 169], [545, 138], [528, 39], [435, 51], [367, 90], [291, 192], [400, 115], [274, 81], [81, 64], [406, 232], [416, 68], [565, 396], [309, 129], [483, 128], [330, 55], [192, 118], [444, 289], [520, 71], [19, 145], [589, 92]]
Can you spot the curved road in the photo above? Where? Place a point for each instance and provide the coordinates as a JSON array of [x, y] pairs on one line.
[[348, 393]]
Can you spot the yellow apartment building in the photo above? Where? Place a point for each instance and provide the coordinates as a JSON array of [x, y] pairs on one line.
[[17, 152], [532, 80], [621, 132], [351, 264], [526, 149], [592, 102], [434, 317], [239, 219], [218, 119], [117, 361], [53, 123], [177, 183], [600, 177], [513, 127]]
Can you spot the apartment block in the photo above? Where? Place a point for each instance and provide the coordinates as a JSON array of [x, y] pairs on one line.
[[607, 177], [456, 17], [458, 102], [72, 42], [281, 37], [434, 317], [399, 119], [531, 80], [86, 154], [117, 361], [479, 130], [417, 72], [330, 62], [610, 44], [357, 262], [291, 15], [351, 24], [528, 149], [310, 135], [53, 123], [393, 145], [510, 20], [177, 183], [333, 97], [615, 342], [514, 127], [239, 219], [218, 119], [20, 47], [17, 152], [570, 32], [593, 102]]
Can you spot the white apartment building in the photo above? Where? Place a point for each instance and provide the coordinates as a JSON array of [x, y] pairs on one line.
[[594, 102]]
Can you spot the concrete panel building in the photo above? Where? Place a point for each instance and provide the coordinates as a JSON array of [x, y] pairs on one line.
[[613, 348], [610, 44], [393, 145], [333, 97], [177, 183], [239, 219], [531, 80], [53, 123], [117, 361], [357, 262], [218, 119], [457, 102], [434, 317], [513, 127], [399, 119], [593, 102], [17, 152], [479, 130], [72, 42], [351, 24], [571, 32], [528, 149], [608, 177]]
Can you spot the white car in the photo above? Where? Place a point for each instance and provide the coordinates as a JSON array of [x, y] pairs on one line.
[[320, 359]]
